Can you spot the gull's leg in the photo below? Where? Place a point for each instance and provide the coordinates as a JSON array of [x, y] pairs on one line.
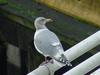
[[47, 60]]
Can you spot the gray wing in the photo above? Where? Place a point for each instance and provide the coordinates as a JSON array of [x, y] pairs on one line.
[[48, 44]]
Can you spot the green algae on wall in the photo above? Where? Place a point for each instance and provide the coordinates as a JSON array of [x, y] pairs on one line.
[[3, 1]]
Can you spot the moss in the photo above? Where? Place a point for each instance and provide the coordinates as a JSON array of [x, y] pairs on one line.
[[19, 19], [21, 9], [3, 1]]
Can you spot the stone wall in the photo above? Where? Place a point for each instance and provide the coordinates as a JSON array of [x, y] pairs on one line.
[[87, 10]]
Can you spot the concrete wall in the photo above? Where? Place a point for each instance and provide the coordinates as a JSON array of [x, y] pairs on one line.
[[87, 10]]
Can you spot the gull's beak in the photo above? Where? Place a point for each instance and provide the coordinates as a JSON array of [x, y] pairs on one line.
[[49, 20]]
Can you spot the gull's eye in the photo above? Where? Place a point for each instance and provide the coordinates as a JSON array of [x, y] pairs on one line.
[[42, 19]]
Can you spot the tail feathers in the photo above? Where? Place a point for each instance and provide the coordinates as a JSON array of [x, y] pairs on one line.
[[63, 60]]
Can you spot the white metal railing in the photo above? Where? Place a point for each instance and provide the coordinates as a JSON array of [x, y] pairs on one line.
[[97, 72], [71, 55], [85, 66]]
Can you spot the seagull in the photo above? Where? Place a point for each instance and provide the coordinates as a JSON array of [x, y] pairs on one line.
[[47, 43]]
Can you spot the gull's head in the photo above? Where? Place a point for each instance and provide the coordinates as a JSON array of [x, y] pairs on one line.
[[40, 22]]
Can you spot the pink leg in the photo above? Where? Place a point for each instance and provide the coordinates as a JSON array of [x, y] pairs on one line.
[[47, 61]]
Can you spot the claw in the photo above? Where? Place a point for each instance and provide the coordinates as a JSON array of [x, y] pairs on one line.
[[63, 60], [68, 63]]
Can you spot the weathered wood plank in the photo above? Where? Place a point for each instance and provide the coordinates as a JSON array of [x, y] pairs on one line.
[[87, 10]]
